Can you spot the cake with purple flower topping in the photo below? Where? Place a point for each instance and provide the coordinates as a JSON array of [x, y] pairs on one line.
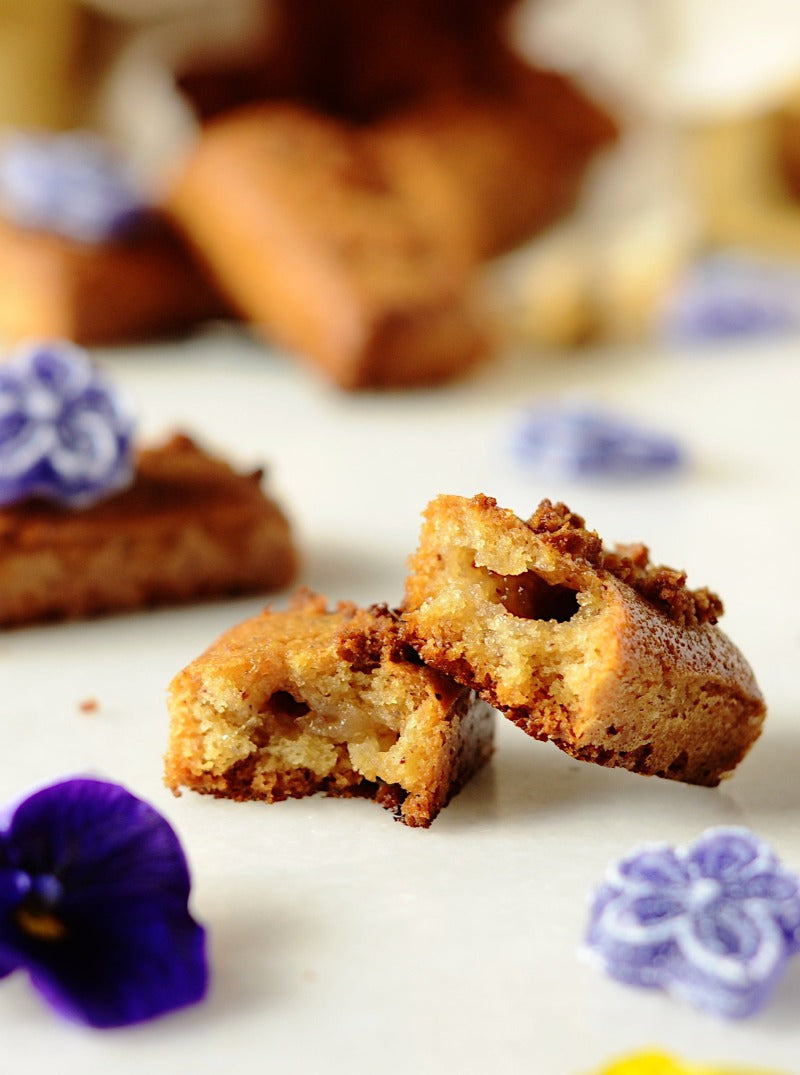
[[612, 658], [91, 524], [82, 256]]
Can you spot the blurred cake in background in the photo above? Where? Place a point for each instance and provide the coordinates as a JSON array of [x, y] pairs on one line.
[[442, 147], [83, 256]]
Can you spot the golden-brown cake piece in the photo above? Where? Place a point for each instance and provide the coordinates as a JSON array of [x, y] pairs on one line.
[[293, 702], [613, 659], [307, 231], [189, 528], [52, 287], [346, 194], [514, 155]]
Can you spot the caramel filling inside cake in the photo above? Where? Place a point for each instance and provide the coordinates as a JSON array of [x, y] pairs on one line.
[[360, 722], [527, 632], [530, 597], [289, 703]]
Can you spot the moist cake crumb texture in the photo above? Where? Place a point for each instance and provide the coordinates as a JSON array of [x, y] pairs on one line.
[[612, 658], [307, 700]]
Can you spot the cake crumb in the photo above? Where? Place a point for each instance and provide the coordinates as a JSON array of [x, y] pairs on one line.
[[663, 587]]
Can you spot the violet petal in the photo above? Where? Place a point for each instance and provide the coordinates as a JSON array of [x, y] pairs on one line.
[[66, 433], [105, 930], [68, 183], [580, 441], [720, 937]]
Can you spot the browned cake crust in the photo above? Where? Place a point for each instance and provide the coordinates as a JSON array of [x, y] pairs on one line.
[[305, 228], [308, 700], [189, 528], [52, 287], [613, 659]]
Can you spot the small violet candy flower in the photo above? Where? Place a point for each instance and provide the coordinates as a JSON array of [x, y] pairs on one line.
[[726, 296], [579, 441], [69, 183], [713, 923], [94, 891], [65, 433]]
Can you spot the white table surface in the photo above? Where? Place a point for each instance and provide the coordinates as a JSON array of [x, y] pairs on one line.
[[339, 940]]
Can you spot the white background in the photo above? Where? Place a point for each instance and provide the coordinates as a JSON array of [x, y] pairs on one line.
[[342, 941]]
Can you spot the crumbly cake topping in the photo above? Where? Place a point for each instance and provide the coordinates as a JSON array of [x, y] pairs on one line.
[[663, 587], [374, 634], [368, 636]]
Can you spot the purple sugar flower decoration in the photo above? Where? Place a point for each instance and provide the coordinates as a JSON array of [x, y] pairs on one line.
[[581, 442], [94, 891], [726, 295], [713, 923], [68, 183], [65, 433]]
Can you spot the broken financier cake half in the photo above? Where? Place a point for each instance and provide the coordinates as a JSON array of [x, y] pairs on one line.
[[289, 703], [612, 658]]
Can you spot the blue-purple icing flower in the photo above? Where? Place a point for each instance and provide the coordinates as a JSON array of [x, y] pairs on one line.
[[66, 434], [728, 295], [94, 892], [713, 923], [68, 183], [578, 440]]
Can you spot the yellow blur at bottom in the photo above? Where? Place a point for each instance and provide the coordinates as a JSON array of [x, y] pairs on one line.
[[661, 1064]]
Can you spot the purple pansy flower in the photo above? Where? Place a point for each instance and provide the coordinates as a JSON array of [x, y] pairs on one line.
[[94, 891], [714, 923], [580, 441], [65, 433], [69, 183]]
